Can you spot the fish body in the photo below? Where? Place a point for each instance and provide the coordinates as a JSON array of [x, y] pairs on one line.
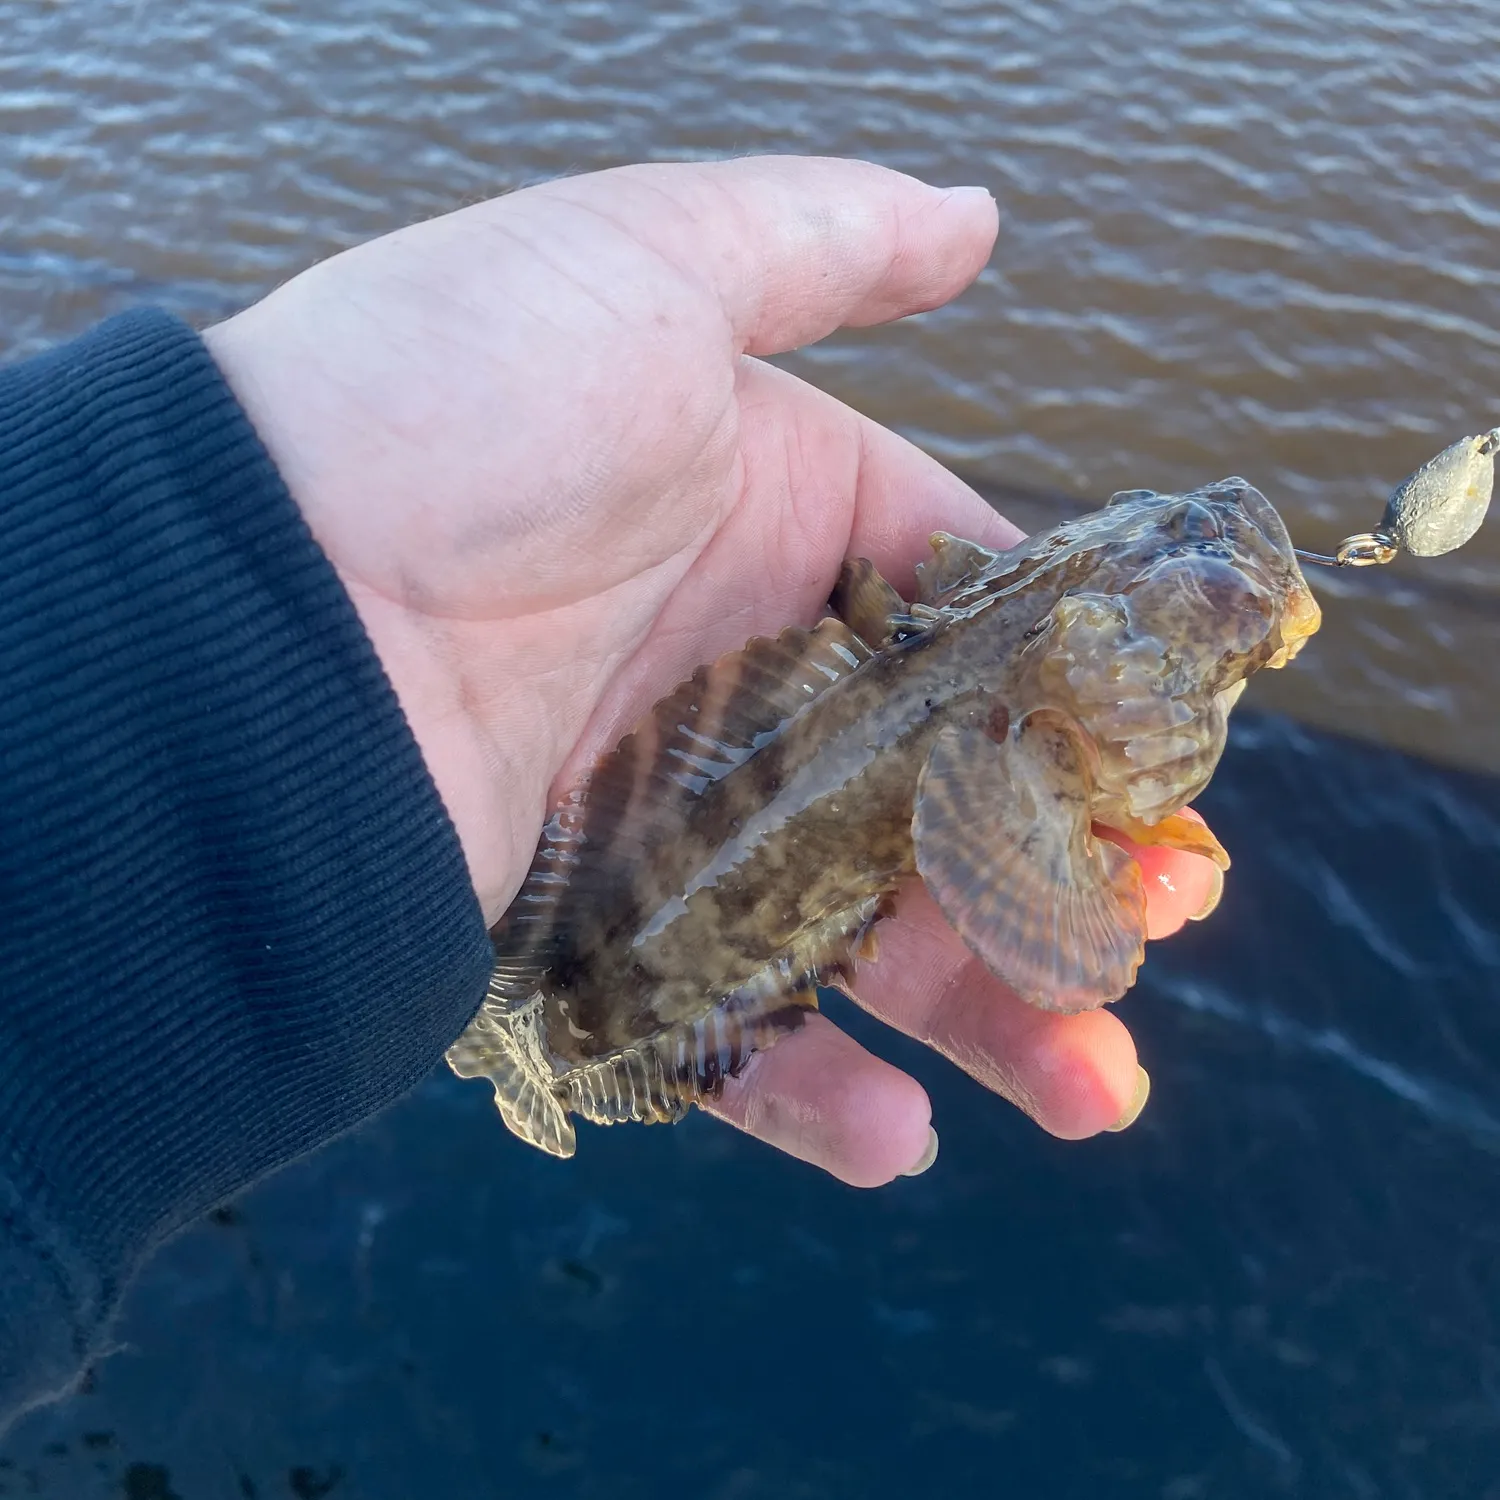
[[738, 848]]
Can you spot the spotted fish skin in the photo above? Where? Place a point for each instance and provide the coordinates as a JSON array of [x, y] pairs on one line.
[[736, 848]]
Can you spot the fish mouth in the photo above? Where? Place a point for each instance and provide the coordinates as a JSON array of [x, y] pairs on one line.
[[1301, 616]]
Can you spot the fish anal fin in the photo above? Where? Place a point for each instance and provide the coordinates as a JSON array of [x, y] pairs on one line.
[[502, 1043], [656, 1081], [1005, 846]]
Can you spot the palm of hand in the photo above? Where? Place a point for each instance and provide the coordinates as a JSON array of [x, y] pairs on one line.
[[534, 440]]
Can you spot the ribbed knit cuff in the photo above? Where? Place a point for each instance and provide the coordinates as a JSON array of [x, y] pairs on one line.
[[235, 919]]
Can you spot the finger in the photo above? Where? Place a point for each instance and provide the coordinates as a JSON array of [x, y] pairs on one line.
[[796, 247], [821, 482], [1180, 887], [901, 496], [819, 1096], [1075, 1075]]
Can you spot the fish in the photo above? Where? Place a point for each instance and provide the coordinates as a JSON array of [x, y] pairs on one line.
[[741, 845]]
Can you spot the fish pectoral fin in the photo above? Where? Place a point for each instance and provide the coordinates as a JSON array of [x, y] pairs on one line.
[[656, 1081], [1004, 844], [869, 606], [1173, 832], [490, 1047]]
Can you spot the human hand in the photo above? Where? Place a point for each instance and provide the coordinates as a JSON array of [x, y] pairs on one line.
[[535, 440]]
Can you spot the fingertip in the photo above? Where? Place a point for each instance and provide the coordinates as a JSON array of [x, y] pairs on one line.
[[818, 243], [1179, 888], [1083, 1075], [1074, 1075], [972, 194], [943, 238], [1211, 900], [1137, 1103], [957, 233], [976, 223], [819, 1096], [928, 1157]]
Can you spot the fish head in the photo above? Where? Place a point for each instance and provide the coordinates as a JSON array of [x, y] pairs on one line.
[[1139, 626], [1172, 604], [1213, 576]]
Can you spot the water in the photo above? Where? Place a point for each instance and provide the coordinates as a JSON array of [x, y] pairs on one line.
[[1281, 1282], [1261, 239], [1255, 239]]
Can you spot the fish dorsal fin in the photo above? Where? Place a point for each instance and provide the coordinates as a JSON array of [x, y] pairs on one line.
[[873, 609], [1005, 846], [637, 800], [954, 564], [714, 722]]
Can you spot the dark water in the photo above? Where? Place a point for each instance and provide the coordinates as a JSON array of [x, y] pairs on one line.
[[1285, 1280], [1258, 237]]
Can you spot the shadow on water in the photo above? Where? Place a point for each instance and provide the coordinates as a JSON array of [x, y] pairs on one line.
[[1285, 1280]]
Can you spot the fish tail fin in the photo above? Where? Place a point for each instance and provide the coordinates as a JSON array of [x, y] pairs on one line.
[[495, 1046]]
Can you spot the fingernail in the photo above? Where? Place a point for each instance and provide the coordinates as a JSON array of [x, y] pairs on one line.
[[1137, 1100], [970, 194], [1215, 891], [927, 1158]]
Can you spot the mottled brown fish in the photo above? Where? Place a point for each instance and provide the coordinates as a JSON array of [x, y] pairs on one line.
[[739, 846]]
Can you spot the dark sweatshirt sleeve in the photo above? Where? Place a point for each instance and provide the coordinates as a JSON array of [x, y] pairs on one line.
[[235, 919]]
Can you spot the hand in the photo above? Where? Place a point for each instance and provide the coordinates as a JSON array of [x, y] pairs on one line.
[[535, 441]]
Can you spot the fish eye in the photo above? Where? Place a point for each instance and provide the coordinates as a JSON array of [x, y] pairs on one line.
[[1195, 522]]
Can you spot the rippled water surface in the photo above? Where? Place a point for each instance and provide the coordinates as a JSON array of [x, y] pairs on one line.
[[1259, 238]]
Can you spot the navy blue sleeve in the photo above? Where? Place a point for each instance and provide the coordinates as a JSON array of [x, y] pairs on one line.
[[235, 919]]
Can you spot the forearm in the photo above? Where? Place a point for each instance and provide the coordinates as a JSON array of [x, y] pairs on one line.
[[234, 917]]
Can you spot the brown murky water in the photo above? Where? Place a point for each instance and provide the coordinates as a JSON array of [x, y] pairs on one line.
[[1261, 238]]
